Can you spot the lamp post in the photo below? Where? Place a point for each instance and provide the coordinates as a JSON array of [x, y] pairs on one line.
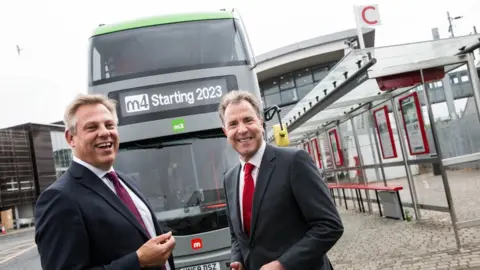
[[450, 19]]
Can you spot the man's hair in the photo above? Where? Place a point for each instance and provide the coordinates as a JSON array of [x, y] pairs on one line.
[[235, 97], [83, 99]]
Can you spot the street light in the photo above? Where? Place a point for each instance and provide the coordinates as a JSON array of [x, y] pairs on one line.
[[450, 19]]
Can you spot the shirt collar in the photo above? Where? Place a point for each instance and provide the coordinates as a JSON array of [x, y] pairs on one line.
[[98, 172], [256, 159]]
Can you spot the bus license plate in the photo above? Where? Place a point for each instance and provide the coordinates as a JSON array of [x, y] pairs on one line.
[[208, 266]]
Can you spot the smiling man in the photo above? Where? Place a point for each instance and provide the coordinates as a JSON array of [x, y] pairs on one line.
[[279, 208], [94, 217]]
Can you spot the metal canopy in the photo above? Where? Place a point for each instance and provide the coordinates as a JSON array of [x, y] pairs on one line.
[[387, 60]]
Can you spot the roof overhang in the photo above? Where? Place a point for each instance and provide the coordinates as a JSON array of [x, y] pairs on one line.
[[52, 127], [309, 58], [350, 87], [307, 53]]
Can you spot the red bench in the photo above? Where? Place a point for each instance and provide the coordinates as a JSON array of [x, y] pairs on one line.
[[358, 188]]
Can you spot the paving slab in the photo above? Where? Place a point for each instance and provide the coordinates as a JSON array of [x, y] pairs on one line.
[[374, 242]]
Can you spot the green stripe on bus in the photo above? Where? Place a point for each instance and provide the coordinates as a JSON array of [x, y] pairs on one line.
[[164, 19]]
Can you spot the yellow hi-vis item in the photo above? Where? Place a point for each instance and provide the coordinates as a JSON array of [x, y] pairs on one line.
[[281, 136]]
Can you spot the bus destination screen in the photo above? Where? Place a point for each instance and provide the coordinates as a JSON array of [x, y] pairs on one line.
[[158, 98]]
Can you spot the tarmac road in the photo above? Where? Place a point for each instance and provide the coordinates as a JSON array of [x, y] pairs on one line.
[[18, 251]]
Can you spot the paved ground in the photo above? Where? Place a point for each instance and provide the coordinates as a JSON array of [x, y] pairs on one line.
[[371, 242], [18, 251]]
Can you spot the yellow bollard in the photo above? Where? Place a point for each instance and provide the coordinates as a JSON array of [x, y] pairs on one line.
[[281, 136]]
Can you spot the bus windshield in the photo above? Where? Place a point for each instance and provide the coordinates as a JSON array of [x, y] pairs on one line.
[[166, 48], [182, 181]]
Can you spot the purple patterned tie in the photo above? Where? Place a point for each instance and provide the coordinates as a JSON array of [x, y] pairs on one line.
[[126, 199]]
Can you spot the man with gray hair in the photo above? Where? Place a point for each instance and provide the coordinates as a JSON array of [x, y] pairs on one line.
[[279, 209], [94, 217]]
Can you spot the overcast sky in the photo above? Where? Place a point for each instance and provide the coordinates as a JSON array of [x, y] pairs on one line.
[[36, 86]]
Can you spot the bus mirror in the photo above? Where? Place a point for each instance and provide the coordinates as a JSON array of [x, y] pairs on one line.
[[281, 135], [254, 63]]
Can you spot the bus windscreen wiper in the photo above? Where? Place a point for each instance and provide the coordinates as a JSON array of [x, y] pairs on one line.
[[194, 200]]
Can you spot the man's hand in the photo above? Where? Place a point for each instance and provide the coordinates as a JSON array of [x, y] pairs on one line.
[[156, 251], [236, 266], [275, 265]]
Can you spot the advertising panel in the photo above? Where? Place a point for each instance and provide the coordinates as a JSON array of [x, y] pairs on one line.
[[414, 125], [336, 147], [316, 152], [385, 133]]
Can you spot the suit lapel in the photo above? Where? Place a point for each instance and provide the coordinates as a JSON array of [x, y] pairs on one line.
[[263, 178], [92, 182], [134, 189], [236, 197]]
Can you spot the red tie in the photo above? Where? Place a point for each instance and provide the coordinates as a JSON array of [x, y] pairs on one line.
[[248, 189]]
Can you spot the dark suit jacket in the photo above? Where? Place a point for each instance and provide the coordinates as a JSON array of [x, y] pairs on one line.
[[294, 219], [82, 224]]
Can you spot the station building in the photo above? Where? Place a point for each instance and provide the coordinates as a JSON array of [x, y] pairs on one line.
[[288, 74]]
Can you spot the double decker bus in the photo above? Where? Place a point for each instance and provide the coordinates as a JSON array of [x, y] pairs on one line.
[[167, 74]]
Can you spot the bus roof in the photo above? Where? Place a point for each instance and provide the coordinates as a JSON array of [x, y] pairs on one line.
[[162, 19]]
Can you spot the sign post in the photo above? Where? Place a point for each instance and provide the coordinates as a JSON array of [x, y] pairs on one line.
[[365, 16]]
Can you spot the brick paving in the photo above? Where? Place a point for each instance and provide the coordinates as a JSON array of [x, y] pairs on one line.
[[369, 242], [372, 242], [464, 186]]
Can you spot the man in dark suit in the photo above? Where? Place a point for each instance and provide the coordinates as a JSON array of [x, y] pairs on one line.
[[279, 208], [93, 217]]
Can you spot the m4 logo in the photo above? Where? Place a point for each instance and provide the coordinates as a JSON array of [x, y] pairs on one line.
[[137, 103], [197, 243]]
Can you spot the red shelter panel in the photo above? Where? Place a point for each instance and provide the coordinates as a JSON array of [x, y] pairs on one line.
[[336, 147]]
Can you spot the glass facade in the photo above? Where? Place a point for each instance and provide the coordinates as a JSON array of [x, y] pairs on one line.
[[62, 153], [293, 86]]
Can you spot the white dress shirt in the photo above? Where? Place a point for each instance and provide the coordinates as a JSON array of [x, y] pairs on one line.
[[142, 208], [256, 160]]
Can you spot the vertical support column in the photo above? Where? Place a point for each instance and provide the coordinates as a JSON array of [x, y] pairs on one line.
[[17, 216], [318, 135], [360, 158], [449, 97], [372, 133], [327, 138], [334, 166], [341, 146], [472, 70], [359, 29], [332, 157], [446, 185], [312, 149], [411, 184], [369, 132]]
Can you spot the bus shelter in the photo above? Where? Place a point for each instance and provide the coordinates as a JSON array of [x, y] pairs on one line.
[[400, 115]]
